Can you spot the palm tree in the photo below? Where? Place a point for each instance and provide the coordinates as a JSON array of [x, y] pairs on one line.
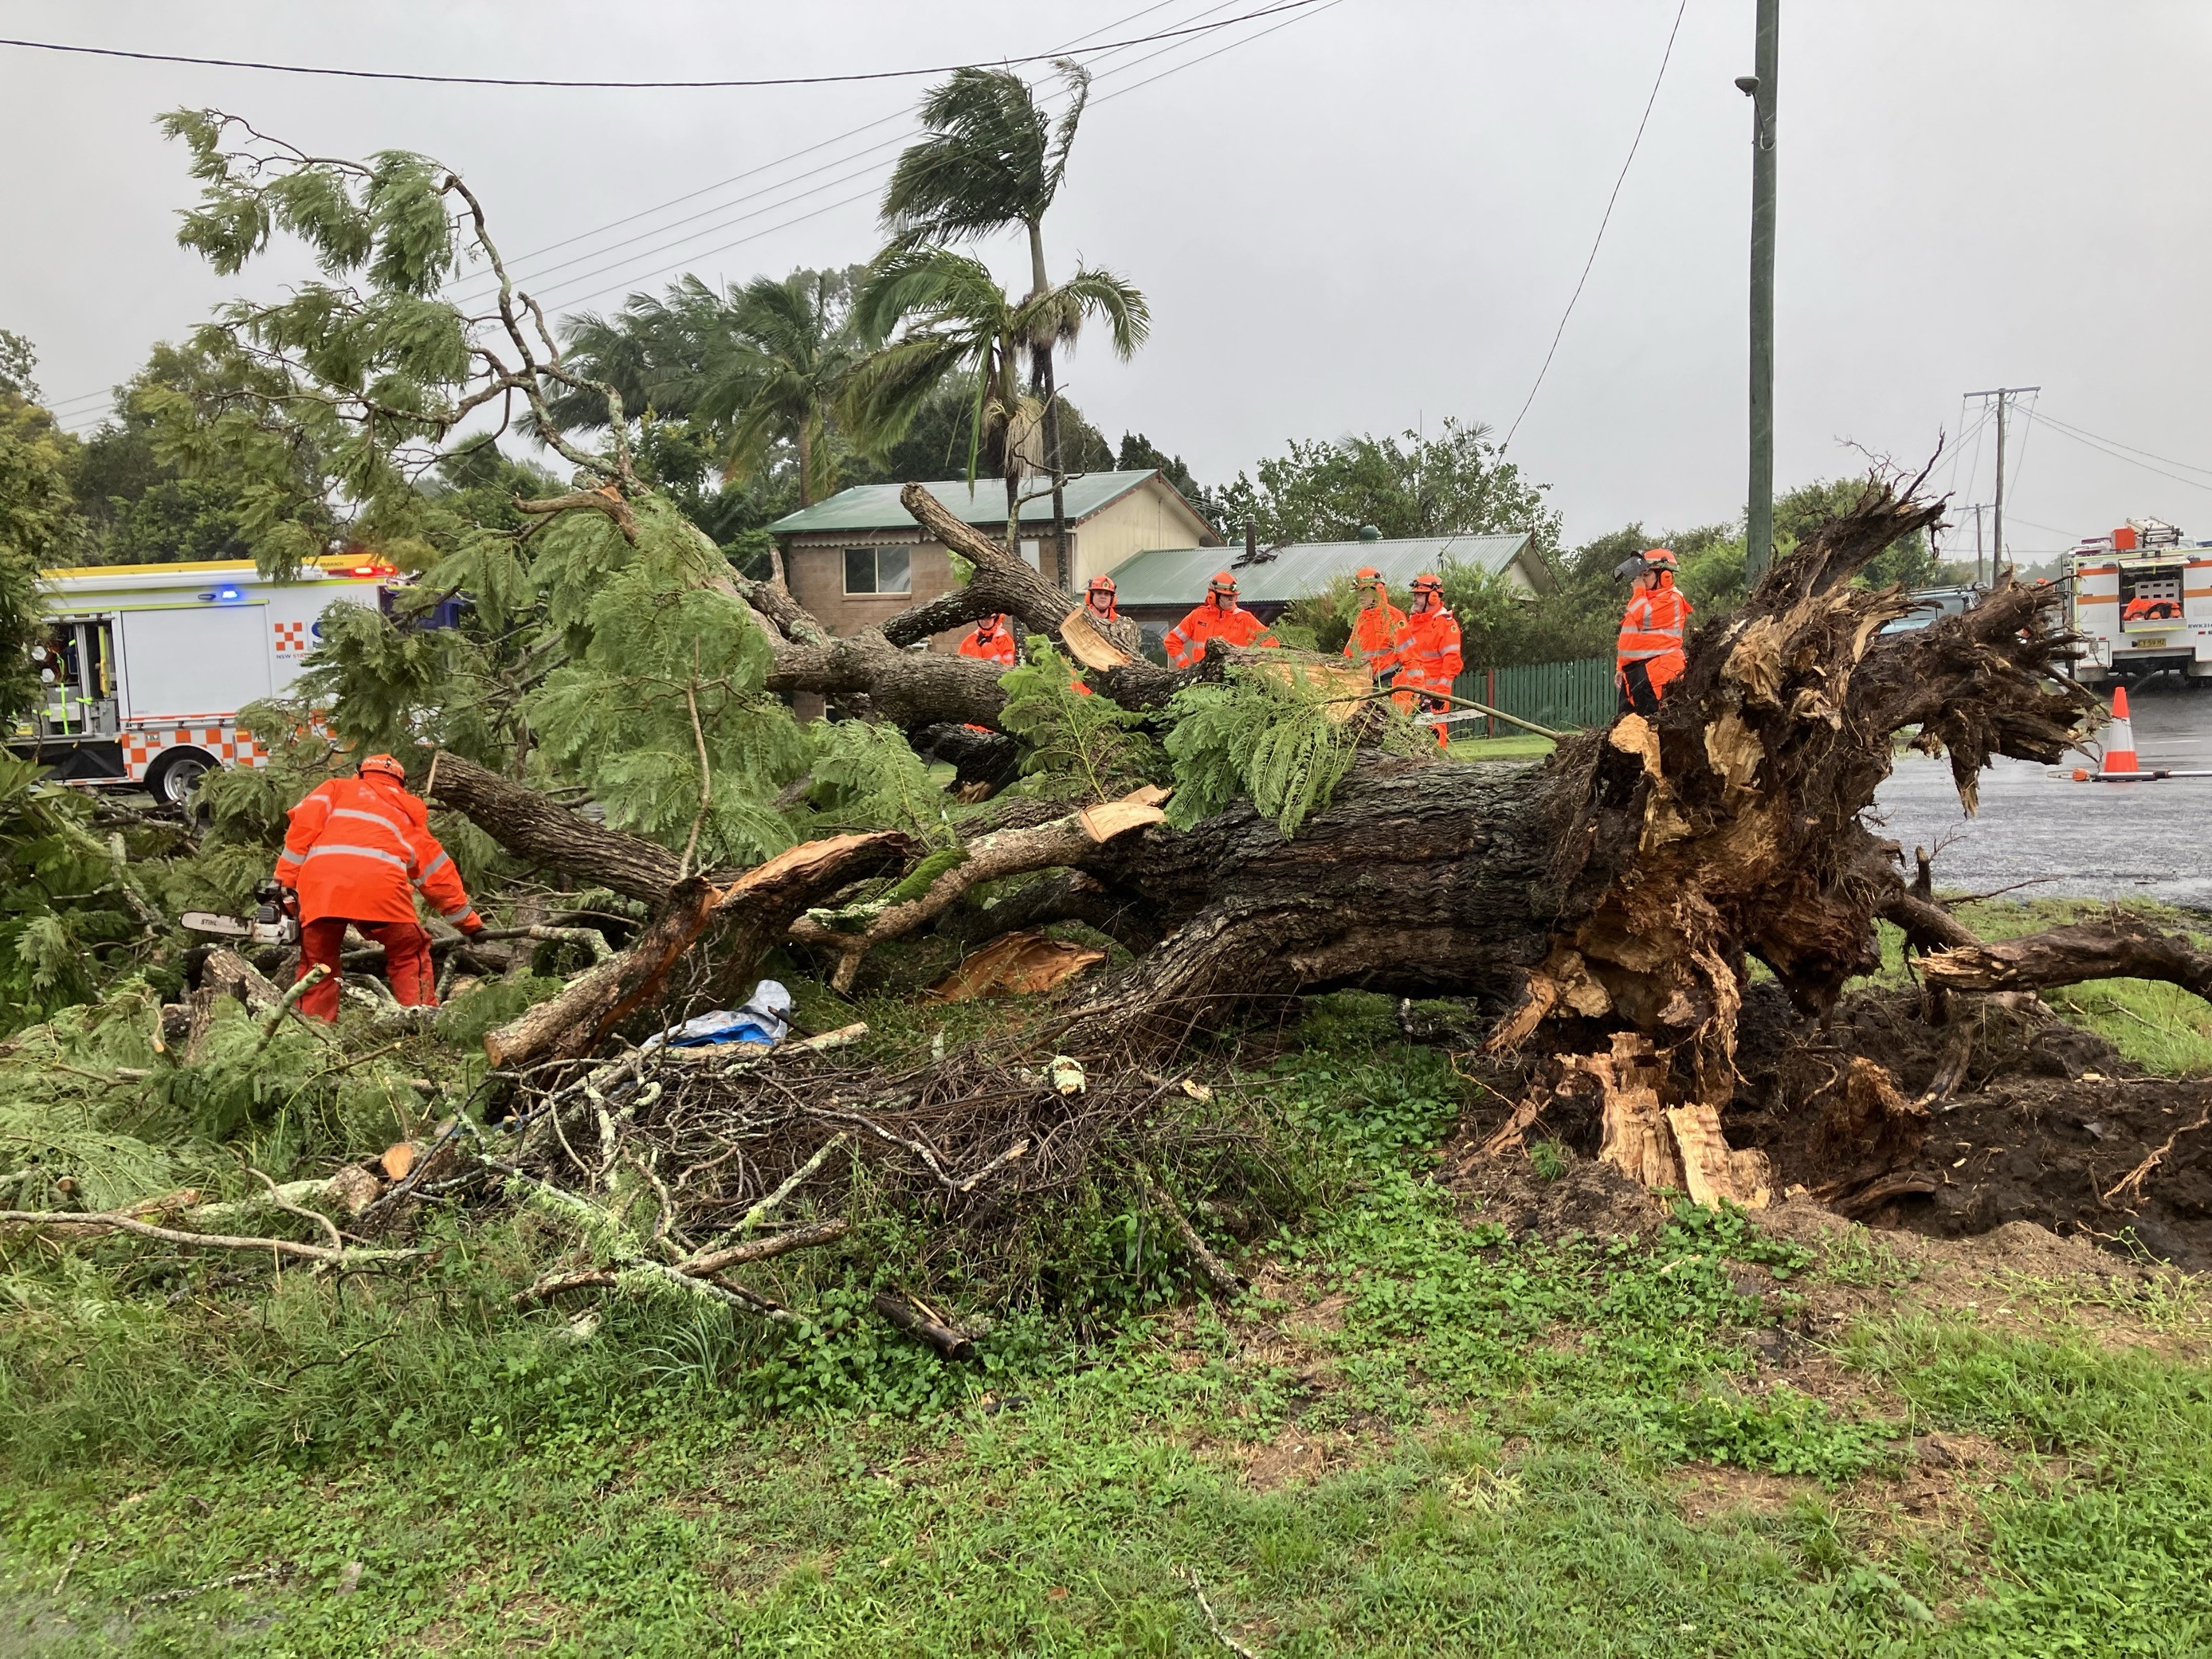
[[782, 374], [958, 320], [765, 364], [993, 160]]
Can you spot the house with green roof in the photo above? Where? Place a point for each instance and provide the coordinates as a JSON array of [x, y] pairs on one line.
[[858, 559], [1157, 588]]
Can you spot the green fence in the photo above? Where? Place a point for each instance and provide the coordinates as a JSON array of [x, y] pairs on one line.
[[1563, 695]]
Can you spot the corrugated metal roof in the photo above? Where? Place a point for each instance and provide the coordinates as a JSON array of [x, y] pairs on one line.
[[1177, 575], [876, 506]]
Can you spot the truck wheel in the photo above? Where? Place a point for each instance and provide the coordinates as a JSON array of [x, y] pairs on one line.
[[170, 778]]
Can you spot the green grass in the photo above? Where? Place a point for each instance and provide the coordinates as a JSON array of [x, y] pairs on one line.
[[1422, 1434], [2158, 1027]]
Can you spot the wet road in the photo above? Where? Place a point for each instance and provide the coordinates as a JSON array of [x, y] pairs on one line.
[[2095, 840]]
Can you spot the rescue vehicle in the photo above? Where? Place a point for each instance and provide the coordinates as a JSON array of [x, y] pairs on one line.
[[144, 667], [2142, 600]]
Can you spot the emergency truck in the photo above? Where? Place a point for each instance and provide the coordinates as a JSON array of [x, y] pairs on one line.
[[2142, 600], [143, 667]]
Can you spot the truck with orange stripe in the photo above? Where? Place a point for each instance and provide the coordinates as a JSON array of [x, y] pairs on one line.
[[143, 667], [2141, 598]]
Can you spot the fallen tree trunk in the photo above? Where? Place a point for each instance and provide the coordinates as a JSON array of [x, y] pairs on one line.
[[1623, 884]]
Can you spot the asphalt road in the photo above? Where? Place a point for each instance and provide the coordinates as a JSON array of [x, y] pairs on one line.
[[2076, 840]]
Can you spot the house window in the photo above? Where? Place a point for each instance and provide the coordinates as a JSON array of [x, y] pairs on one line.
[[878, 570]]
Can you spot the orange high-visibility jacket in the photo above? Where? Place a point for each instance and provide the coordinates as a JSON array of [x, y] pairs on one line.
[[997, 646], [1651, 629], [1375, 635], [359, 848], [1186, 640], [1427, 652]]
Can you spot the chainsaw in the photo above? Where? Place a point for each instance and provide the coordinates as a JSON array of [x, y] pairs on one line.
[[276, 919]]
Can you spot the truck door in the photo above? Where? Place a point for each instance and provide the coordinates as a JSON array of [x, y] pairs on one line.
[[195, 662], [75, 661]]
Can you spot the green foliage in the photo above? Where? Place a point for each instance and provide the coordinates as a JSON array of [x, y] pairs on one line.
[[60, 1121], [1267, 736], [867, 776], [668, 667], [1086, 744], [1455, 483], [66, 919], [39, 527]]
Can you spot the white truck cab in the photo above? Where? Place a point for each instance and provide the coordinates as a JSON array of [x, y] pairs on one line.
[[145, 667], [2142, 600]]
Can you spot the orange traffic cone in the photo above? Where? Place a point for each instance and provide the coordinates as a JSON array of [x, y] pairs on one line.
[[2119, 760]]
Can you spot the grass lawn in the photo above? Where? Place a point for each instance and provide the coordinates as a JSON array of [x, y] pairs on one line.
[[1423, 1430]]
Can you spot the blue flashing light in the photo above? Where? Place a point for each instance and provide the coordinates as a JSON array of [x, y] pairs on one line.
[[226, 592]]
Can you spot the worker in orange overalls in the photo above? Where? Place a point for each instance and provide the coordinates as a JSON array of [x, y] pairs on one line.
[[992, 641], [358, 850], [1216, 617], [1374, 628], [1425, 654], [1650, 654]]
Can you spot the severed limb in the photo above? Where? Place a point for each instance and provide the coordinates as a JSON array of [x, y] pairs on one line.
[[2118, 948], [746, 918], [850, 933]]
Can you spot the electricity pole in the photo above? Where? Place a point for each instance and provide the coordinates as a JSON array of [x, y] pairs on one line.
[[2004, 395], [1760, 87]]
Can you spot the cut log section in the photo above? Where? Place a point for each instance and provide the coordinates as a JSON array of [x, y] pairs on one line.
[[745, 918]]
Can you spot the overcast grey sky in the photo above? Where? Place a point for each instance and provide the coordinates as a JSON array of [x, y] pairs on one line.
[[1364, 220]]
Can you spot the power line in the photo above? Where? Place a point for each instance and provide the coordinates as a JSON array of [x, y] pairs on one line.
[[624, 86], [519, 268], [898, 117], [1665, 57], [1181, 35], [2089, 443], [1308, 8], [2079, 432], [575, 300]]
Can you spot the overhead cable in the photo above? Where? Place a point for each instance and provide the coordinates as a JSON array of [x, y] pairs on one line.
[[627, 86], [1665, 57]]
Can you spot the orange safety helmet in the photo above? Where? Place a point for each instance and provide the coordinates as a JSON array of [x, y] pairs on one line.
[[1660, 558], [1367, 577], [1223, 582], [384, 763], [1106, 582]]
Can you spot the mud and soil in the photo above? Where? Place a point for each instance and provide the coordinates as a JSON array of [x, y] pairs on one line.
[[2046, 1126]]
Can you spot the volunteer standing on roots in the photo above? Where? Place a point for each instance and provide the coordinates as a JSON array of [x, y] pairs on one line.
[[1216, 617], [358, 851], [1425, 654], [1375, 629], [1650, 654]]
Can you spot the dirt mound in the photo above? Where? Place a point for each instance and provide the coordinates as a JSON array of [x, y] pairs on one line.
[[2046, 1124]]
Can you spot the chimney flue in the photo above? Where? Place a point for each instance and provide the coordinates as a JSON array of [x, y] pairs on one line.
[[1251, 538]]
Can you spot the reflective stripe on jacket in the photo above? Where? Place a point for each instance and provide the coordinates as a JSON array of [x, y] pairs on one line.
[[360, 847], [1427, 651], [996, 646], [1374, 636], [1186, 640], [1652, 625]]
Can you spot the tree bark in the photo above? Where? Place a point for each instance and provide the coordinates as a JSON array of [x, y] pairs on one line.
[[552, 836], [2121, 948]]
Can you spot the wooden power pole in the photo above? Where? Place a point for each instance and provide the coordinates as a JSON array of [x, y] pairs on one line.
[[2004, 395], [1760, 88]]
